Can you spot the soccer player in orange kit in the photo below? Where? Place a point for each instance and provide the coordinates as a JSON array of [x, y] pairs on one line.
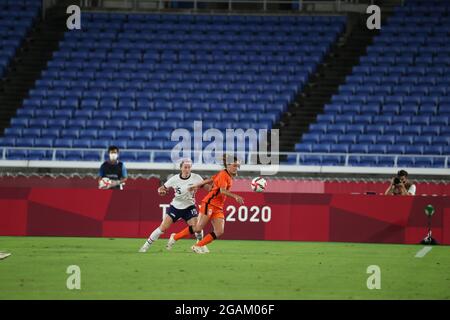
[[211, 207]]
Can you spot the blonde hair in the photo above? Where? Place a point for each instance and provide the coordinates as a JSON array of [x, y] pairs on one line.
[[185, 160]]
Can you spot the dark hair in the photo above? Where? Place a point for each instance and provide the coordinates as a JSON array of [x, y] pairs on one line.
[[113, 148], [227, 159], [402, 173]]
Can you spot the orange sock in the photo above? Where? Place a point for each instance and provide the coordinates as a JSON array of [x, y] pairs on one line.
[[183, 234], [210, 237]]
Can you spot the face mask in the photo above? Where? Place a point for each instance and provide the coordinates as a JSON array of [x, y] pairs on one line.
[[113, 156]]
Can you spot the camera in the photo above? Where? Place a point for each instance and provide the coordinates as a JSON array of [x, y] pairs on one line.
[[397, 181]]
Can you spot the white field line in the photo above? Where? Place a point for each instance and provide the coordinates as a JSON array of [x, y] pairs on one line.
[[422, 252]]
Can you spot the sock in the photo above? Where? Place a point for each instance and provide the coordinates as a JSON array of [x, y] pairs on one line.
[[155, 235], [199, 235], [208, 239], [184, 233]]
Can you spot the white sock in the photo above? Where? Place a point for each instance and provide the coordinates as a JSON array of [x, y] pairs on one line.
[[155, 235], [199, 235]]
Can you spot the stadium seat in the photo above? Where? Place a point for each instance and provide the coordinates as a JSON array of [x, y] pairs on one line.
[[132, 84], [398, 93]]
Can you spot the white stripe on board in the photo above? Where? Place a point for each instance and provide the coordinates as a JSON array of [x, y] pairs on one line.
[[422, 252]]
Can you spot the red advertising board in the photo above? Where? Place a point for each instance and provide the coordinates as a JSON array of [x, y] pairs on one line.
[[264, 216], [275, 185]]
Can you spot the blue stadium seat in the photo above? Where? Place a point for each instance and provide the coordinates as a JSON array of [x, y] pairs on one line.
[[314, 160], [156, 144], [92, 156], [63, 143], [17, 154], [405, 84], [339, 148], [367, 139], [347, 138], [81, 143], [128, 156], [100, 144], [423, 162], [332, 160], [359, 148], [405, 162], [39, 155], [311, 138], [321, 148], [43, 142], [434, 149], [386, 161], [162, 157], [396, 149], [377, 148], [355, 129], [414, 149], [143, 85], [438, 162], [304, 147], [328, 138]]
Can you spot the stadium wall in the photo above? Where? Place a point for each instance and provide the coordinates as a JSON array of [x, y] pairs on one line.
[[265, 216], [276, 185]]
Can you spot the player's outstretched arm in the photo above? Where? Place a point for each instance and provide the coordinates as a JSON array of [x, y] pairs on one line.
[[116, 183], [236, 197], [208, 187], [206, 184], [162, 191]]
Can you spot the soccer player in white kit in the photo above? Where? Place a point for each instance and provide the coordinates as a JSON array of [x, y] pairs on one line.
[[182, 205]]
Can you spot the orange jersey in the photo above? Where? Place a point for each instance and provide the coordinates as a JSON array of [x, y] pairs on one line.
[[214, 197]]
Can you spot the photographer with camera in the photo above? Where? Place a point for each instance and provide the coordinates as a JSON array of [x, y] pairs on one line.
[[400, 185]]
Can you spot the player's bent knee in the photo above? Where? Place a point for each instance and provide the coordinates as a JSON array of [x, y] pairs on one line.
[[218, 233], [197, 229]]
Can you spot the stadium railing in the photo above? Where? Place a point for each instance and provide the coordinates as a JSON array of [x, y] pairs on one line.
[[55, 159], [294, 5]]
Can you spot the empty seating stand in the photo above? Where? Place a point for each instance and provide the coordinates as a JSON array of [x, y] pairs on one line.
[[16, 19], [397, 100], [131, 79]]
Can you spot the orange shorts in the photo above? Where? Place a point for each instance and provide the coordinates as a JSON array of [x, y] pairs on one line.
[[211, 211]]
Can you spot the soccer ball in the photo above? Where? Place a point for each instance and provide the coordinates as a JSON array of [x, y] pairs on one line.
[[104, 183], [258, 184], [429, 210]]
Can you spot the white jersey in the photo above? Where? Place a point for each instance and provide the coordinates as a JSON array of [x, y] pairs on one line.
[[412, 190], [183, 198]]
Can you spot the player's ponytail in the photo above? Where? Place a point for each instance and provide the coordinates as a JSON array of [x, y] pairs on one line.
[[224, 160], [228, 159]]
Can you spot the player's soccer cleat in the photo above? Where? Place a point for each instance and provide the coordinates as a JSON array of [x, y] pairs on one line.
[[4, 255], [145, 247], [171, 242], [197, 249], [205, 249]]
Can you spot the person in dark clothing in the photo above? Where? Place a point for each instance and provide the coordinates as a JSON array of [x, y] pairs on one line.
[[114, 170], [401, 186]]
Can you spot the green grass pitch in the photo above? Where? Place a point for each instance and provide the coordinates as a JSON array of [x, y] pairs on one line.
[[112, 269]]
